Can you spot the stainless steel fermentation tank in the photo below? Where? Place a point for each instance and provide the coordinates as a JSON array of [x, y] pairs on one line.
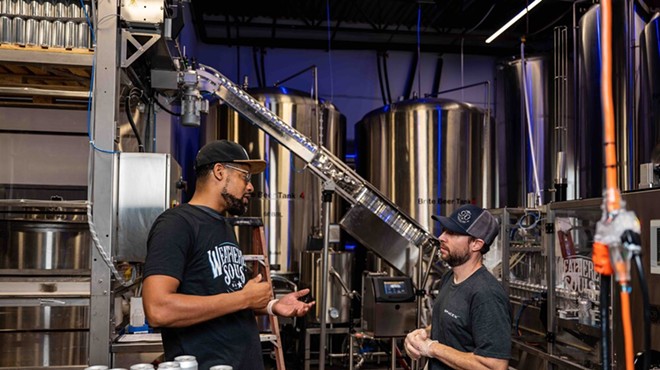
[[516, 169], [429, 156], [649, 102], [286, 197], [44, 284]]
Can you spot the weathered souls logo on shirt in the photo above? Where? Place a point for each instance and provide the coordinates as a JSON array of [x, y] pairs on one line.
[[226, 261]]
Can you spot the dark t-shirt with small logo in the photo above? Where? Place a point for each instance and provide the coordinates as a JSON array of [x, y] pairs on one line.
[[472, 316], [197, 246]]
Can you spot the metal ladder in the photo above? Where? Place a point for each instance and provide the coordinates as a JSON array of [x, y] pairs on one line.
[[259, 254]]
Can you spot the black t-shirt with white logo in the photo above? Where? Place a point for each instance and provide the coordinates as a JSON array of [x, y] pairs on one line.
[[197, 246], [472, 316]]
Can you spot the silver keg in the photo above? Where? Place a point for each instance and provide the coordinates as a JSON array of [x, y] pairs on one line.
[[45, 27], [57, 34], [221, 367], [32, 32], [187, 362], [19, 31], [6, 30], [70, 34], [97, 367]]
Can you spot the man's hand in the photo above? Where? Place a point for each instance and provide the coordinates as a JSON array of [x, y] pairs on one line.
[[416, 344], [290, 305], [256, 293]]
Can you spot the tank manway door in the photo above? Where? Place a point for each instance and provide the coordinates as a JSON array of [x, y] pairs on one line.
[[371, 209]]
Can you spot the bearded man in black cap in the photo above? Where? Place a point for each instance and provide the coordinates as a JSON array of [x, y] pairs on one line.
[[196, 287], [471, 325]]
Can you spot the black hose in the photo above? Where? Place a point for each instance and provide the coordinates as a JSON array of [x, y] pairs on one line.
[[410, 79], [605, 282], [129, 115], [165, 109], [647, 312], [255, 62], [386, 77], [380, 79], [263, 67], [437, 76]]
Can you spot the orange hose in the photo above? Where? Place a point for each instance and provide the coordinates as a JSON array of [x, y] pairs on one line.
[[600, 255], [625, 317], [613, 197], [627, 330]]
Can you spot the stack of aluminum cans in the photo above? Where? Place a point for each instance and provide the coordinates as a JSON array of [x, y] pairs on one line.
[[46, 23], [183, 362]]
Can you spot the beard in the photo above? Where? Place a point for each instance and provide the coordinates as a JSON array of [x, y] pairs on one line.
[[456, 258], [235, 206]]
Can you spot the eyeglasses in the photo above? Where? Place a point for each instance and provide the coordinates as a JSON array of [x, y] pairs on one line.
[[247, 175]]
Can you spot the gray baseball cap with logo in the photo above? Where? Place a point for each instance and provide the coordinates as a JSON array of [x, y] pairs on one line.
[[473, 221]]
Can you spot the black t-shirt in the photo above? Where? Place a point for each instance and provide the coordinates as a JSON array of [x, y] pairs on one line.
[[473, 316], [197, 246]]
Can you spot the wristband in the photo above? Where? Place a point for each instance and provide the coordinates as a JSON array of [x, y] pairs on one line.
[[428, 347], [269, 308]]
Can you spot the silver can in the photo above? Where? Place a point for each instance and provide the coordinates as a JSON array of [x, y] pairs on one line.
[[35, 8], [47, 8], [32, 32], [83, 36], [187, 362], [57, 34], [169, 365], [97, 367], [142, 367], [6, 7], [221, 367], [75, 10], [6, 30], [19, 31], [21, 8], [70, 34], [61, 9], [45, 27]]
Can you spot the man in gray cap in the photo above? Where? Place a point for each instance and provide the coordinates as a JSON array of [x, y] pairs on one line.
[[471, 325], [196, 287]]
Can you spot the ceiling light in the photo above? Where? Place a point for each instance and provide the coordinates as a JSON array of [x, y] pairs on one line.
[[512, 21]]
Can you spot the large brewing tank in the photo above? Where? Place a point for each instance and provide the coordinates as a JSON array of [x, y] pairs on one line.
[[286, 196], [590, 122], [429, 156], [516, 168], [649, 102], [44, 284]]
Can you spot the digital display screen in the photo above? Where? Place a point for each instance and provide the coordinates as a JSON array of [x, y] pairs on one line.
[[394, 287]]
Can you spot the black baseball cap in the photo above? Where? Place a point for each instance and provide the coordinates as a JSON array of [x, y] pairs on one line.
[[225, 151], [471, 220]]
